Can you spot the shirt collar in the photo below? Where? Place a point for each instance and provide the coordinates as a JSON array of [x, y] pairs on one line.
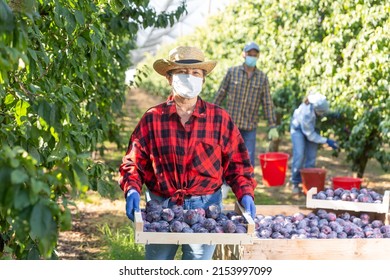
[[199, 111], [243, 69]]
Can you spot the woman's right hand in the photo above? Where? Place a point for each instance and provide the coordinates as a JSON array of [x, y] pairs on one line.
[[132, 203]]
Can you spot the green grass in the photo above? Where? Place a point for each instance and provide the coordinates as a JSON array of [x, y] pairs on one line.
[[120, 244]]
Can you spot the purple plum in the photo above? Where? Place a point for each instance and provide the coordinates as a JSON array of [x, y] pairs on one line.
[[229, 226], [209, 224], [213, 211], [176, 226], [191, 217], [153, 205], [167, 214]]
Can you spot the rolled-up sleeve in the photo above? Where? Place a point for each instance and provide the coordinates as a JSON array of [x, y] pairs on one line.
[[134, 165], [223, 89]]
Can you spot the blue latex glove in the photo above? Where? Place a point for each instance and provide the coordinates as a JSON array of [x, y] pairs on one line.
[[132, 203], [332, 144], [249, 205]]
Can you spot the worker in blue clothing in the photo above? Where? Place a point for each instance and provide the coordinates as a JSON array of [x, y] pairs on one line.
[[304, 137]]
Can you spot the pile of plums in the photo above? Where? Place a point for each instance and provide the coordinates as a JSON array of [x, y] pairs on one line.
[[320, 224], [158, 218], [356, 195]]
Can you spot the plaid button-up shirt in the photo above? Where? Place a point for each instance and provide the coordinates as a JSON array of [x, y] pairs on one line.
[[244, 97], [175, 161]]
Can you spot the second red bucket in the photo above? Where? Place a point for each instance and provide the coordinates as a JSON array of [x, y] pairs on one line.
[[273, 166], [346, 183], [313, 177]]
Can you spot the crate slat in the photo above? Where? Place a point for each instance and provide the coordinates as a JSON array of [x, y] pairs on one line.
[[192, 238]]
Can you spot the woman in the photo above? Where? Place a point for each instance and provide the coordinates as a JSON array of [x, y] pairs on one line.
[[183, 149]]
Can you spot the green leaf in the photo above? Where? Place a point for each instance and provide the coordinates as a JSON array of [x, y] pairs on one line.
[[70, 23], [82, 42], [39, 186], [33, 54], [9, 99], [34, 153], [117, 6], [66, 89], [41, 221], [18, 176], [43, 228], [21, 111], [33, 254], [66, 220], [79, 17], [95, 36], [21, 198], [7, 19], [44, 110]]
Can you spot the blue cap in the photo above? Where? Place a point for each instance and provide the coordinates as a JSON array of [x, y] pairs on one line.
[[251, 46]]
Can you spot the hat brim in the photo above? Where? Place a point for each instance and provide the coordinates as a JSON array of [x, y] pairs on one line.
[[162, 66]]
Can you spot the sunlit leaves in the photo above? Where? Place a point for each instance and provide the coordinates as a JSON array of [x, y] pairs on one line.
[[21, 111]]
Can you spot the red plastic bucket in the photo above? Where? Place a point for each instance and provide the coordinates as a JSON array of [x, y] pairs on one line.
[[273, 166], [346, 183], [313, 177]]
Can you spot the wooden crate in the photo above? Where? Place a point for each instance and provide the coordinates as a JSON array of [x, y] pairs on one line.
[[307, 249], [142, 237], [347, 205]]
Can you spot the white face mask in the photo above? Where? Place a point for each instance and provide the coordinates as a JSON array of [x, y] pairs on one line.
[[186, 85]]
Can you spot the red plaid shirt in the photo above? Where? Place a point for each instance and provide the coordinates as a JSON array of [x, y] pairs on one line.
[[176, 161]]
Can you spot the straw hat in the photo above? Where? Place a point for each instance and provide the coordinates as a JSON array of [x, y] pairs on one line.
[[184, 57]]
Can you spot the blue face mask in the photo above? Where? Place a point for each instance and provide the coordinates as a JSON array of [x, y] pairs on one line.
[[250, 61]]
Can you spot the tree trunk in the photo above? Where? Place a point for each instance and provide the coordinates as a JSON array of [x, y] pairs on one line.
[[359, 165], [274, 145]]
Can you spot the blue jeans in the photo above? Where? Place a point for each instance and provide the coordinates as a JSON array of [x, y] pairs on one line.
[[190, 251], [304, 154], [249, 137]]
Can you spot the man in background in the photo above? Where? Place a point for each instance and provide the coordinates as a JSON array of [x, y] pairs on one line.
[[245, 88]]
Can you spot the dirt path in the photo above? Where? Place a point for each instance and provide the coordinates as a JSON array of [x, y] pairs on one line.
[[84, 240]]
